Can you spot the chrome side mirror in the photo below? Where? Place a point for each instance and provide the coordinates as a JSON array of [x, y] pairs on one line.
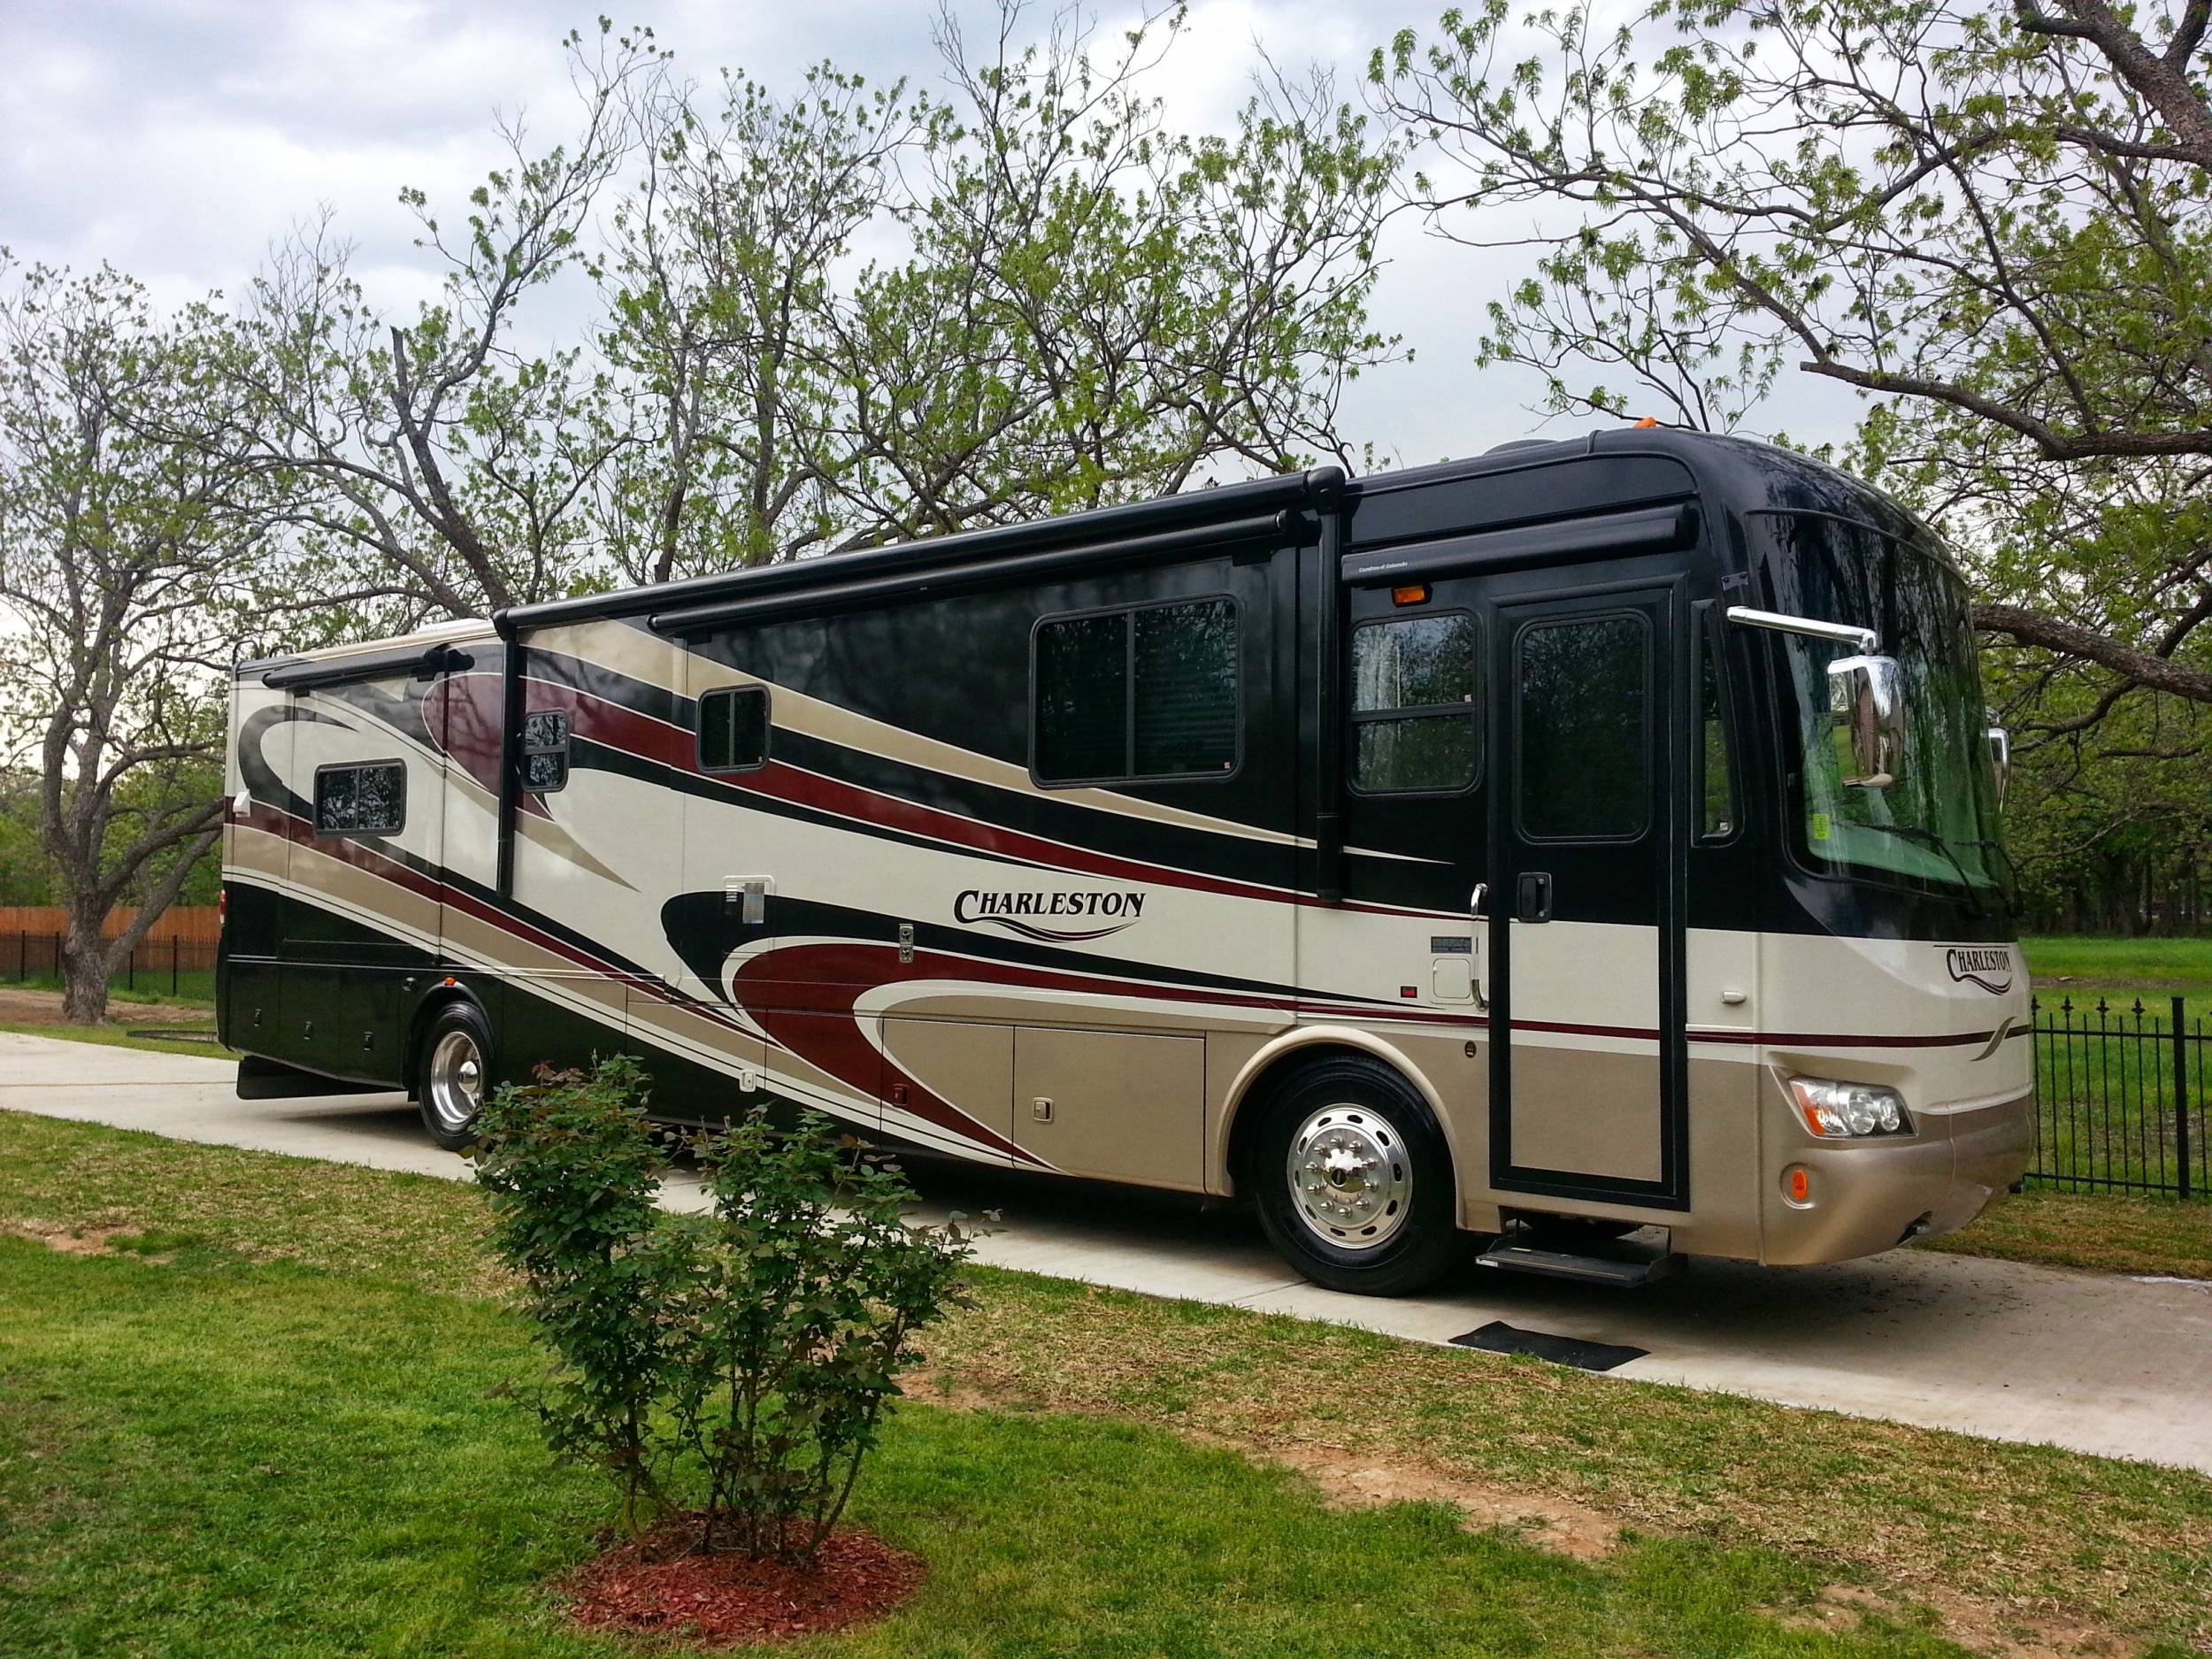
[[1866, 699], [2000, 753]]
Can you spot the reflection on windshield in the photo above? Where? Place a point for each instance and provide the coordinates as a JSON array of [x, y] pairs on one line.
[[1937, 820]]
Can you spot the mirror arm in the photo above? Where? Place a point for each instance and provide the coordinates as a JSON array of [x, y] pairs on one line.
[[1866, 640]]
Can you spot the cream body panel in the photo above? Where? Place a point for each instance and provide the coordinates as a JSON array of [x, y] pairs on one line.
[[1122, 1106]]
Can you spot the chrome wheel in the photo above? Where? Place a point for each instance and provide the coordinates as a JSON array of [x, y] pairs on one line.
[[1351, 1182], [456, 1081]]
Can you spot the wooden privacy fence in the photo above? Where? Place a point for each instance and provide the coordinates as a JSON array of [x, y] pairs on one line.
[[190, 923]]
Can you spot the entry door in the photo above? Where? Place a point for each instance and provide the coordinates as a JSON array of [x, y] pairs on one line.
[[1585, 902]]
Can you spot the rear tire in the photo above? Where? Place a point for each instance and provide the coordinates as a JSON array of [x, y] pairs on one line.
[[453, 1074], [1353, 1180]]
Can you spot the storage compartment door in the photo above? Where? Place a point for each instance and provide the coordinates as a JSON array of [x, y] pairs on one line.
[[1115, 1105]]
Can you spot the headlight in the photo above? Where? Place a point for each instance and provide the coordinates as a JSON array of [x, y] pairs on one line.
[[1841, 1111]]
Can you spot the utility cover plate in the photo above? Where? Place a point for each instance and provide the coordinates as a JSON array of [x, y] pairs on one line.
[[1498, 1337]]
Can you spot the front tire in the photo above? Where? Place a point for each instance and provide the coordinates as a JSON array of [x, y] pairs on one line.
[[455, 1071], [1353, 1180]]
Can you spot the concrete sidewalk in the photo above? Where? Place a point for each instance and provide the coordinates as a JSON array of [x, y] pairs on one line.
[[2098, 1363]]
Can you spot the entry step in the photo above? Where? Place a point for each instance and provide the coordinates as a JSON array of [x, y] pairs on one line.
[[1624, 1262]]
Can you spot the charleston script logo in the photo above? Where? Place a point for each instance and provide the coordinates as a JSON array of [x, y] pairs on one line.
[[1055, 917], [1989, 966]]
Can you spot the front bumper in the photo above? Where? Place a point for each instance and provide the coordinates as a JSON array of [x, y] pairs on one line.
[[1870, 1196]]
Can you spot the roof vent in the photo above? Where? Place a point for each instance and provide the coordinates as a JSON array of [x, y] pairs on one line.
[[1520, 443]]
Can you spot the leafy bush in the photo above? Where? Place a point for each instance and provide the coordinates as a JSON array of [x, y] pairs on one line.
[[735, 1365]]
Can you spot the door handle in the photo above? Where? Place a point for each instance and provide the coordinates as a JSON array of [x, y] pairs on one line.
[[1476, 900], [1533, 898]]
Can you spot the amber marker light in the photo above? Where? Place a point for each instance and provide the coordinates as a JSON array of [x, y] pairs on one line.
[[1413, 594], [1800, 1185]]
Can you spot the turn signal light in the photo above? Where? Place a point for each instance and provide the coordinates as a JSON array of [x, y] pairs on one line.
[[1412, 594], [1800, 1185]]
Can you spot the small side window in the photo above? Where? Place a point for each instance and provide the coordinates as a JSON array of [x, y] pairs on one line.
[[544, 750], [1716, 767], [734, 729], [1413, 704], [366, 799]]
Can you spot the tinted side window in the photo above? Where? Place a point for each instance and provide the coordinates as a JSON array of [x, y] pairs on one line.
[[544, 750], [734, 729], [1186, 711], [1081, 701], [363, 800], [1413, 704], [1717, 785], [1581, 689], [1150, 693]]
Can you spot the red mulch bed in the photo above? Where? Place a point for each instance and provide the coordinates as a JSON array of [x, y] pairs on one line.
[[726, 1599]]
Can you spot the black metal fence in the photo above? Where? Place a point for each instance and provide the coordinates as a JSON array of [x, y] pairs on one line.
[[2120, 1099], [173, 967]]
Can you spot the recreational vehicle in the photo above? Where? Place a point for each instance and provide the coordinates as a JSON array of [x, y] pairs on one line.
[[1593, 836]]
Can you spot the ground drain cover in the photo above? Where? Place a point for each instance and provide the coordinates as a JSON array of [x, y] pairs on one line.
[[1498, 1337]]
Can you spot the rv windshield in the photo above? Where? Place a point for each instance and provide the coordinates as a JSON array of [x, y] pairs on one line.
[[1936, 822]]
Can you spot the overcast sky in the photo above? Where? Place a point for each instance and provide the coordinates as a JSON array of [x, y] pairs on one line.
[[175, 139]]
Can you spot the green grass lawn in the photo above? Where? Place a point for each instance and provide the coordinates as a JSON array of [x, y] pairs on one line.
[[120, 1036], [2118, 971], [263, 1422], [2107, 1232], [195, 987]]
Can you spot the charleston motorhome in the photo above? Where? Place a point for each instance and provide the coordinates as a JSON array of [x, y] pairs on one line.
[[1591, 836]]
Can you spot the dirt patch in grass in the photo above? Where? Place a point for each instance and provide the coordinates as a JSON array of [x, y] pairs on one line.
[[2032, 1535], [2002, 1628], [19, 1006], [91, 1240], [658, 1585], [1538, 1519], [1848, 1609]]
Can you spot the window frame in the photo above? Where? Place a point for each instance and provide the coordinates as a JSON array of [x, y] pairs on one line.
[[1129, 692], [1472, 712], [315, 802], [767, 728], [526, 748], [1652, 691]]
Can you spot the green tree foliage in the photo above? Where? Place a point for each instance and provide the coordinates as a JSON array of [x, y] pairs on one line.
[[127, 535], [830, 319], [735, 1365], [1987, 218]]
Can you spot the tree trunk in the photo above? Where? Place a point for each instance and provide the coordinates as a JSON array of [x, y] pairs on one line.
[[84, 972]]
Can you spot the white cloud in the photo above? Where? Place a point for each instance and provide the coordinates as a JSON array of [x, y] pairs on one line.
[[176, 138]]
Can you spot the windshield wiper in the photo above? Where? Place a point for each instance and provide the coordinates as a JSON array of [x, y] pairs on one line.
[[1928, 838]]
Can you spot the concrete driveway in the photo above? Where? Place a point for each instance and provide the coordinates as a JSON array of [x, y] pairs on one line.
[[2098, 1363]]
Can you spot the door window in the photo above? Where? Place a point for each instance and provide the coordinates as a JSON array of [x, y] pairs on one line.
[[1413, 704], [1581, 713]]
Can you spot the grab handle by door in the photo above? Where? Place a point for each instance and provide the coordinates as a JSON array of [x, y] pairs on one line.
[[1532, 896]]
